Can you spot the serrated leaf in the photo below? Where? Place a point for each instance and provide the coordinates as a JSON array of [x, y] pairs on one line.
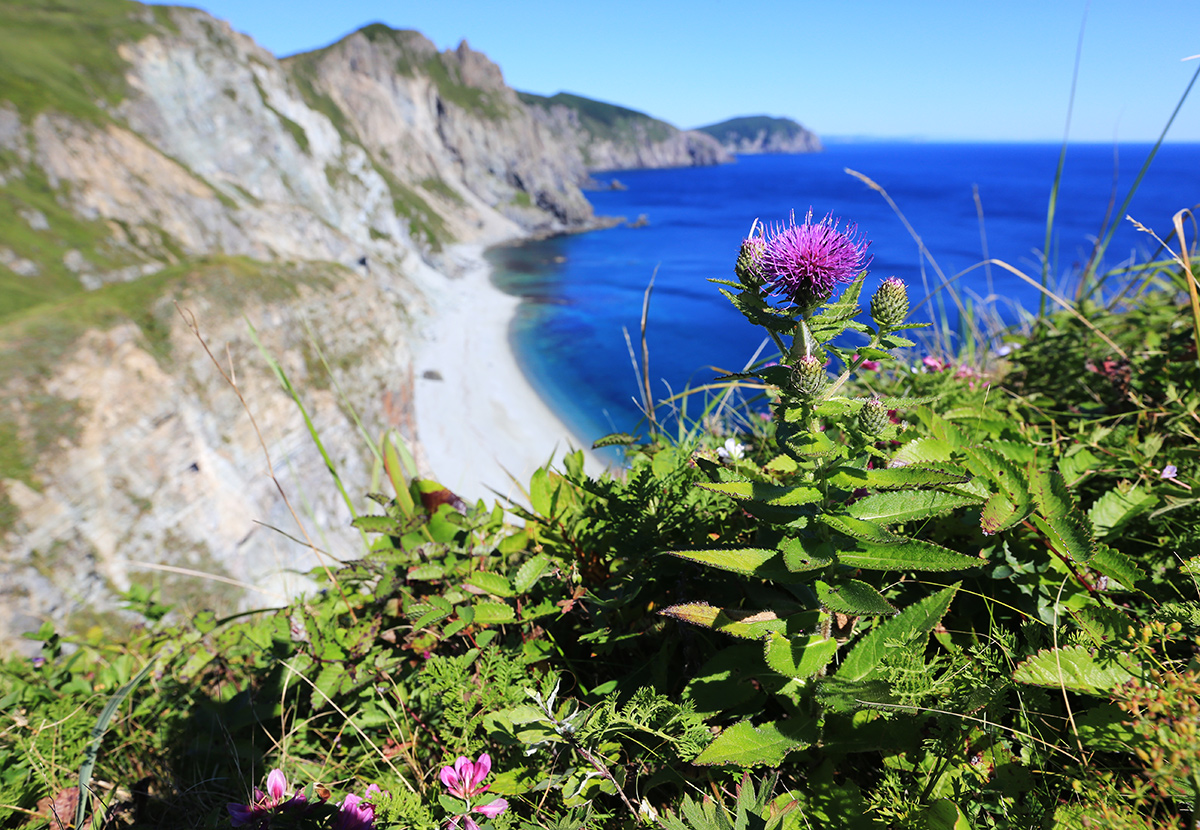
[[746, 745], [915, 621], [530, 572], [852, 596], [799, 657], [494, 584], [490, 612], [1102, 624], [799, 556], [1117, 567], [758, 562], [430, 570], [541, 492], [922, 451], [750, 625], [811, 444], [894, 478], [776, 495], [1076, 669], [858, 528], [378, 524], [1068, 535], [1011, 500], [896, 508], [614, 439], [906, 555], [1114, 509]]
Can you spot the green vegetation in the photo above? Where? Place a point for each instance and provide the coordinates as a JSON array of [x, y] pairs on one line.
[[605, 122], [947, 590], [62, 55], [749, 128]]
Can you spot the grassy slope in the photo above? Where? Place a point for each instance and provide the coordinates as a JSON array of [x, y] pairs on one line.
[[604, 121], [749, 127]]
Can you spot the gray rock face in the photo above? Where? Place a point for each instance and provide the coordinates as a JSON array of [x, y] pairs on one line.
[[317, 197]]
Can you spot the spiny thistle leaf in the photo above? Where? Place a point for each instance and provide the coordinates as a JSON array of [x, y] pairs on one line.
[[750, 561], [805, 555], [905, 555], [1076, 669], [852, 596], [751, 625], [770, 494], [915, 621], [897, 508], [895, 478], [799, 657]]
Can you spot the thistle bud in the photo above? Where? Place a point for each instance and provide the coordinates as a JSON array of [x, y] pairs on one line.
[[873, 417], [808, 376], [889, 306], [749, 262]]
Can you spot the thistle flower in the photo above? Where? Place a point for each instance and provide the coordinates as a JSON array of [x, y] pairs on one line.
[[805, 263]]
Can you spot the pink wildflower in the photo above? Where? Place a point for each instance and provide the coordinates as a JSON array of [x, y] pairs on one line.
[[465, 780], [868, 365], [805, 263], [934, 364], [255, 813]]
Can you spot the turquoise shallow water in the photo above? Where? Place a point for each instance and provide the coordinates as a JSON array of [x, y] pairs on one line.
[[580, 291]]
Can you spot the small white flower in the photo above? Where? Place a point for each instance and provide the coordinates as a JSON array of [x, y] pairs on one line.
[[731, 451]]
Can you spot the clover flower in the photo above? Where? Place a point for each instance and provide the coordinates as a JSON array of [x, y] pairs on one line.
[[357, 813], [256, 813], [805, 263], [465, 780]]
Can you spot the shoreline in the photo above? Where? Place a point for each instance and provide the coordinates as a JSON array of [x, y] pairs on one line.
[[478, 418]]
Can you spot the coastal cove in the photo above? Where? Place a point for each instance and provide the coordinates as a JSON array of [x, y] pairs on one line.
[[580, 291]]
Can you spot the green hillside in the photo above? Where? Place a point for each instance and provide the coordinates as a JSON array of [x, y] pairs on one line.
[[748, 128], [601, 120]]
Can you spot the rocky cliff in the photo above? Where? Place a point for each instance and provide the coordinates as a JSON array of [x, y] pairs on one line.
[[762, 134], [610, 137], [163, 181]]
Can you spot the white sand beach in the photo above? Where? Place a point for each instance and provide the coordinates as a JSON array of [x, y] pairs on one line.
[[479, 421]]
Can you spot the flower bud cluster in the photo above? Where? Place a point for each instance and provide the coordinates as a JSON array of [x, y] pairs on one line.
[[873, 417], [809, 377]]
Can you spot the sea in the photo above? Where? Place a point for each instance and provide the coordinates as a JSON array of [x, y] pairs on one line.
[[582, 294]]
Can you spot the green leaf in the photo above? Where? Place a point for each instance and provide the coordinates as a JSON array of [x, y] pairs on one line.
[[1105, 727], [907, 506], [541, 493], [1117, 567], [1011, 502], [852, 596], [772, 494], [490, 612], [915, 621], [494, 584], [750, 561], [746, 745], [799, 556], [1058, 518], [799, 657], [944, 814], [922, 451], [1114, 509], [894, 478], [737, 622], [530, 572], [905, 555], [430, 570], [378, 524], [616, 439], [1076, 669]]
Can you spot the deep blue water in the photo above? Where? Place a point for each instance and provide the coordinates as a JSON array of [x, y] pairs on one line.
[[579, 291]]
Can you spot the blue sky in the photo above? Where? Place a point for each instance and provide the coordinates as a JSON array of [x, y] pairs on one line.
[[973, 70]]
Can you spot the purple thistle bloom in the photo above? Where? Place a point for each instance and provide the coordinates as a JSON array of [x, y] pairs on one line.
[[805, 263]]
